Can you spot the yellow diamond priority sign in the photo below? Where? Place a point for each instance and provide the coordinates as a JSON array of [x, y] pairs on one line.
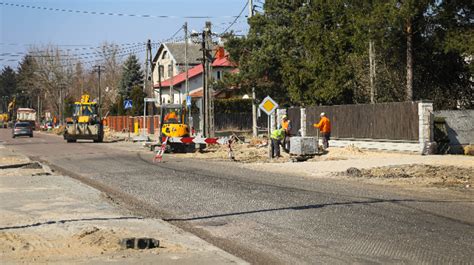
[[268, 105]]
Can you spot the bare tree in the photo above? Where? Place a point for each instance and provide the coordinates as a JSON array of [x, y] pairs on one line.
[[54, 74], [109, 59]]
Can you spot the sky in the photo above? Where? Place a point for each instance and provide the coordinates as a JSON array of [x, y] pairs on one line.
[[77, 29]]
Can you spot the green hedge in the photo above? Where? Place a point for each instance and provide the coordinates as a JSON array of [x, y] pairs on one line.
[[233, 105]]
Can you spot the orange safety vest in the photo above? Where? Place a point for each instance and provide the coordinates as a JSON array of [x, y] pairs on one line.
[[285, 125], [171, 115], [324, 125]]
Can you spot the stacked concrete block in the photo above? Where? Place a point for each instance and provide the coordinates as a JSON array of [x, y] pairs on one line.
[[303, 145], [460, 128]]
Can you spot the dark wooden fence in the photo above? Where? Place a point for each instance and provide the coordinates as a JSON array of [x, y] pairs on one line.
[[294, 114], [237, 121], [389, 121]]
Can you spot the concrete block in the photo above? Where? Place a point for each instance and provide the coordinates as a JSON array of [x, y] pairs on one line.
[[139, 243], [303, 145]]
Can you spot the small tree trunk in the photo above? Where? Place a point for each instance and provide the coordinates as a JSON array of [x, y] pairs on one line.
[[409, 93]]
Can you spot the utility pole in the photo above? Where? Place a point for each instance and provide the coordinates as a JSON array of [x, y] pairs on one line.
[[150, 92], [61, 104], [145, 77], [250, 8], [210, 89], [254, 106], [171, 74], [38, 116], [203, 113], [159, 82], [186, 67], [206, 113], [99, 69]]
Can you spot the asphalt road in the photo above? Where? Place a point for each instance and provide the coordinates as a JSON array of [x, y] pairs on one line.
[[270, 219]]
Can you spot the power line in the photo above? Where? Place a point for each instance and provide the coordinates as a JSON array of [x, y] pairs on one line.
[[107, 13], [236, 18], [40, 53]]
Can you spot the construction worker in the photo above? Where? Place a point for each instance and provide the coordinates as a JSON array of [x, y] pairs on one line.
[[324, 126], [286, 126], [171, 116], [277, 136]]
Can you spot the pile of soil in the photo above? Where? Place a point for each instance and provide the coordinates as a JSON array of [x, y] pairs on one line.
[[111, 136], [60, 130], [55, 244], [255, 151], [448, 176]]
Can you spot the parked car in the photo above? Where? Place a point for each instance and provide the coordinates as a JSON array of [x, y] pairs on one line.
[[22, 129], [48, 126]]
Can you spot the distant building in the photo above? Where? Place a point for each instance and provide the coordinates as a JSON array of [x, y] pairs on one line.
[[173, 89], [169, 59]]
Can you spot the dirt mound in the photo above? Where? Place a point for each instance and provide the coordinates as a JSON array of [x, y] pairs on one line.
[[449, 176], [112, 136], [469, 150], [95, 237], [245, 153], [59, 130]]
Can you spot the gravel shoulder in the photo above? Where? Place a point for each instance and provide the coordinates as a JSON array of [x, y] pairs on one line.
[[54, 219], [405, 170]]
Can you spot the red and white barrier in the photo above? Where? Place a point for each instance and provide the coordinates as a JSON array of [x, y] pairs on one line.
[[198, 140], [159, 155]]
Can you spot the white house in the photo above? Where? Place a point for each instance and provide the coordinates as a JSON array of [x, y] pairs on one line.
[[173, 89], [170, 59]]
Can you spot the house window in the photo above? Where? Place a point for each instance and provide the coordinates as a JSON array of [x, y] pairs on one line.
[[162, 71], [218, 75], [170, 70], [165, 55]]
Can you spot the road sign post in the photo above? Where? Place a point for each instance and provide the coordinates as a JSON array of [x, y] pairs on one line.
[[127, 104], [145, 100], [269, 106]]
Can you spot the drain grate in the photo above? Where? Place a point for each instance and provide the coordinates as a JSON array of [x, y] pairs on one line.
[[140, 243]]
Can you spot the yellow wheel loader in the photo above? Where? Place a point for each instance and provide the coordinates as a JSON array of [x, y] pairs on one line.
[[85, 123]]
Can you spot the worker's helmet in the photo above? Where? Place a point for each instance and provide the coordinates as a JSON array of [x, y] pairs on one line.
[[284, 117], [322, 114]]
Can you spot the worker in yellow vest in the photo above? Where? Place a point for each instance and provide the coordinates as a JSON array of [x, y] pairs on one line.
[[277, 136]]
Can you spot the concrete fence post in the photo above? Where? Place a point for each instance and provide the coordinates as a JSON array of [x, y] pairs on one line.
[[426, 128], [273, 124], [303, 122], [280, 113]]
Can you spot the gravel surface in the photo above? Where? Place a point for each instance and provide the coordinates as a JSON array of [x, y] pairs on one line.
[[270, 218], [47, 218]]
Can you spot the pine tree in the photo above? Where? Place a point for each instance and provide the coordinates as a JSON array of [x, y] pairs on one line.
[[132, 75], [26, 79], [8, 83], [137, 95]]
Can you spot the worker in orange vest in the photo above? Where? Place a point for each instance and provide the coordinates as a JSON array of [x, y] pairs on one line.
[[286, 126], [171, 116], [324, 126]]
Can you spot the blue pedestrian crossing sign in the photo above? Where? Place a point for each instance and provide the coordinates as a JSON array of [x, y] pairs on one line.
[[127, 104], [188, 101]]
